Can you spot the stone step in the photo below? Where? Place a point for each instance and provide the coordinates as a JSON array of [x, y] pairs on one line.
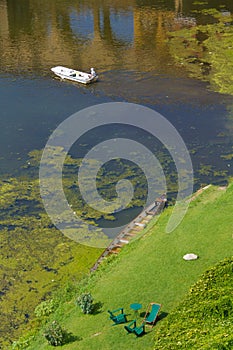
[[124, 241]]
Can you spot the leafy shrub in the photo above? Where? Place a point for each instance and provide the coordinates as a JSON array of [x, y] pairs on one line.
[[54, 334], [45, 308], [22, 343], [85, 301]]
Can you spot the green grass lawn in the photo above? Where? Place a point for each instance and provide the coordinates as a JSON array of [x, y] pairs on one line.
[[150, 269]]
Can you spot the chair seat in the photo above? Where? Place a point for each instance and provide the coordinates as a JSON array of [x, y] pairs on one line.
[[139, 330], [120, 318]]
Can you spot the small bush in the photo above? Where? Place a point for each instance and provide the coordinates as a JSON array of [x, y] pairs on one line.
[[85, 301], [22, 343], [54, 334], [45, 308]]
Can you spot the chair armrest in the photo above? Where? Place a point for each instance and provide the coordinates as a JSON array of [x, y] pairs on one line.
[[111, 314], [142, 325], [119, 309], [139, 331], [132, 323]]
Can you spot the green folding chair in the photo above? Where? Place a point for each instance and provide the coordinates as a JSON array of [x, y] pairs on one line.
[[117, 316], [132, 328], [152, 313]]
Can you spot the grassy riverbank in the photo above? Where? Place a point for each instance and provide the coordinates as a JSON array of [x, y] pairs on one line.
[[149, 269]]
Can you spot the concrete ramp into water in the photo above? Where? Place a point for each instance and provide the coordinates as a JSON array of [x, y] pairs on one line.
[[132, 229]]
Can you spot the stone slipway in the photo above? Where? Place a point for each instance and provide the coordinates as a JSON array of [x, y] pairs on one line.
[[132, 229]]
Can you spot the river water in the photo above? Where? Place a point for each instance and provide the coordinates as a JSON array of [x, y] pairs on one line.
[[126, 43]]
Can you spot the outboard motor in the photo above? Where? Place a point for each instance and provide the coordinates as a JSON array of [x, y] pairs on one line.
[[93, 73]]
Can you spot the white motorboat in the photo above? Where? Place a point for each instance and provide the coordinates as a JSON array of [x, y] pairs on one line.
[[75, 75]]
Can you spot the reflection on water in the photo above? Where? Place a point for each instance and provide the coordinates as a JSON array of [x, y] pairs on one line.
[[109, 35], [126, 37], [123, 35]]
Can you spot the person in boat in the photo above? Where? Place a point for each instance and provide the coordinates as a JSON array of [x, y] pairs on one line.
[[93, 73]]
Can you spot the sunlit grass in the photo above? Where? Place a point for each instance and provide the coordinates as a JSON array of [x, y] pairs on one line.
[[151, 269]]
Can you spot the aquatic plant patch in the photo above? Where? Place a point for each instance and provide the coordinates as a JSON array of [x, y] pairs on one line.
[[206, 51]]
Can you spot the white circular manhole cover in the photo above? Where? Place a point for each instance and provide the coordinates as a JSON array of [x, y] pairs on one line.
[[190, 256]]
